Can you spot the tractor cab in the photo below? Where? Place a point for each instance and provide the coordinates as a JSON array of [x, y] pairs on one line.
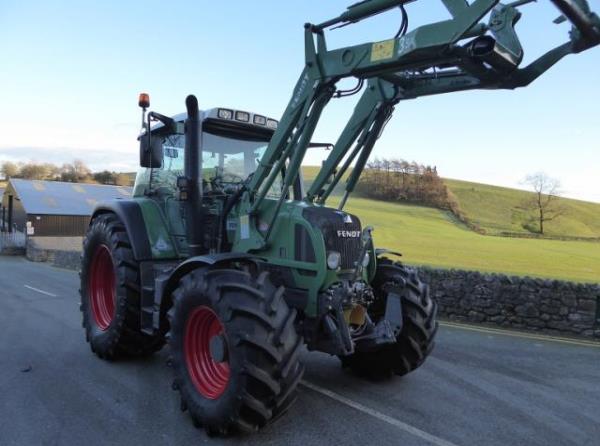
[[232, 144]]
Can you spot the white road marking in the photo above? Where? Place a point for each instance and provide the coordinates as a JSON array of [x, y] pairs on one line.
[[437, 441], [40, 291]]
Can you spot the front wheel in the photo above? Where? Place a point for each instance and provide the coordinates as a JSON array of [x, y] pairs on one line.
[[416, 340], [234, 350]]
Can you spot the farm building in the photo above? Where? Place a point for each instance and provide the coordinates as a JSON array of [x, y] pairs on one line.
[[1, 195], [53, 208], [2, 215]]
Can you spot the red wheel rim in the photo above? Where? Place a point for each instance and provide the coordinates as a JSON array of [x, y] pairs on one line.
[[209, 377], [102, 287]]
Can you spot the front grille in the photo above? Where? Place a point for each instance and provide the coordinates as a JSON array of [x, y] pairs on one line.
[[339, 233]]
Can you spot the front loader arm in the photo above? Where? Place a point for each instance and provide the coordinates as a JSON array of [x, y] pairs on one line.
[[370, 115], [432, 59], [325, 68]]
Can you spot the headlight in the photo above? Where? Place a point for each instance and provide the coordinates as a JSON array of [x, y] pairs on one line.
[[260, 120], [224, 113], [242, 116], [366, 260], [333, 260]]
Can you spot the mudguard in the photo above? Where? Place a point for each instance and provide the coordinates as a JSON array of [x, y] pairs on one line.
[[171, 279], [166, 282], [207, 260], [382, 251], [130, 214]]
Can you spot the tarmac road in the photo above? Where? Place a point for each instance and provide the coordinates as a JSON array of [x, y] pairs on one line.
[[479, 387]]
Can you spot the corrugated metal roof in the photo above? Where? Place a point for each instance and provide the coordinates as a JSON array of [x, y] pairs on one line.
[[58, 198]]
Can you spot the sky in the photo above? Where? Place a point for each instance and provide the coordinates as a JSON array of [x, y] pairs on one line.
[[71, 72]]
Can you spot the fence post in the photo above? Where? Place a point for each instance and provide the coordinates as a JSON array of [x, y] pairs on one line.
[[10, 213]]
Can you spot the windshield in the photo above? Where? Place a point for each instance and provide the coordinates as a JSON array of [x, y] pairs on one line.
[[231, 159], [225, 162]]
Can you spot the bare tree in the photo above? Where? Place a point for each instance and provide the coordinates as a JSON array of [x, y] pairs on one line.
[[404, 168], [546, 199], [34, 171], [104, 177], [53, 171], [80, 169], [122, 179], [9, 170], [410, 182], [76, 172]]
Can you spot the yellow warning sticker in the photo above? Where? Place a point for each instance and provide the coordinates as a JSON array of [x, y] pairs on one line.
[[244, 227], [382, 50]]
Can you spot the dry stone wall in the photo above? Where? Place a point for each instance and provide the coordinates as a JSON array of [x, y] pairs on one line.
[[526, 303]]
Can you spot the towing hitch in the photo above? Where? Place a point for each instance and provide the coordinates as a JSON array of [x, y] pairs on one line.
[[385, 331]]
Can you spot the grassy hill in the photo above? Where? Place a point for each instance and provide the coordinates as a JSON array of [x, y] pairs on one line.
[[496, 210], [433, 237], [309, 173]]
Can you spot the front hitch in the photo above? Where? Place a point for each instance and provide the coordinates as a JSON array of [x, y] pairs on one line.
[[386, 330], [380, 334]]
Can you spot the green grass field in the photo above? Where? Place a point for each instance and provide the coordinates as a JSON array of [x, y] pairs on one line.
[[429, 236], [433, 237], [496, 210]]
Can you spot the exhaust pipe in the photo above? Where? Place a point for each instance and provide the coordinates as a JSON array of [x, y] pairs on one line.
[[490, 51], [194, 220]]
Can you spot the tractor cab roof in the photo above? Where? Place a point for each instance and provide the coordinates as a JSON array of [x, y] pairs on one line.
[[228, 120], [231, 122]]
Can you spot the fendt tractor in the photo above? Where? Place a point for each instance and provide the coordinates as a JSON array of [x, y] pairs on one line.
[[224, 254]]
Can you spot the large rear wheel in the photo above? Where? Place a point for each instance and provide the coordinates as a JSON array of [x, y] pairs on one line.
[[110, 287], [416, 339], [234, 350]]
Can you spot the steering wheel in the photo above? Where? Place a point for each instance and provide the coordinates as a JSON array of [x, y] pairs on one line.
[[228, 177]]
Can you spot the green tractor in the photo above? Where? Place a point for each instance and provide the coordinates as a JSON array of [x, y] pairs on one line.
[[224, 254]]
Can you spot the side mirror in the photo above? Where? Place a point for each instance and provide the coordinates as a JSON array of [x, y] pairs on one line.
[[151, 151]]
